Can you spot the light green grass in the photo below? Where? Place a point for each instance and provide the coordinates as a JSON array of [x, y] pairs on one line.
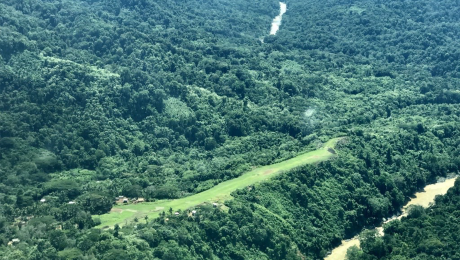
[[121, 214]]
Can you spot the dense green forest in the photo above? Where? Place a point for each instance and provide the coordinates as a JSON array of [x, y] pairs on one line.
[[431, 233], [164, 99]]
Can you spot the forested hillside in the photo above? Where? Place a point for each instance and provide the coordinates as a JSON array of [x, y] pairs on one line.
[[424, 234], [164, 99]]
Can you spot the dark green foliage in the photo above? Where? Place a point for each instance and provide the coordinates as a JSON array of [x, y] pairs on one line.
[[57, 239], [70, 254], [132, 191], [163, 99], [115, 254], [373, 244], [166, 192], [423, 234], [415, 211], [69, 188], [96, 204]]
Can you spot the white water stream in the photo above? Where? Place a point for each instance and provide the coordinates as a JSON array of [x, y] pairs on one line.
[[423, 198], [277, 21]]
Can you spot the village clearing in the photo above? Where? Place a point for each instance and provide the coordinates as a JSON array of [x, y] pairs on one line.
[[122, 214]]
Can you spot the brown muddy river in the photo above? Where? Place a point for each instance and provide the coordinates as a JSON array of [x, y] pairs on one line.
[[423, 198]]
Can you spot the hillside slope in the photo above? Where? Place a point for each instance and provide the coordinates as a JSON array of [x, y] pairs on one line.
[[166, 99]]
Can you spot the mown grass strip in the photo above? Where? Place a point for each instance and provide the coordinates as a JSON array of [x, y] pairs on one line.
[[122, 214]]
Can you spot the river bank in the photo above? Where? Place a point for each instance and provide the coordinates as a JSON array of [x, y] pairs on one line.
[[423, 198]]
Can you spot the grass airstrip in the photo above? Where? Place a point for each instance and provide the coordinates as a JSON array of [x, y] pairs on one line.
[[121, 214]]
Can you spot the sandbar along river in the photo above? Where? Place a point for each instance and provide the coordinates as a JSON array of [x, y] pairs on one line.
[[277, 21], [423, 198]]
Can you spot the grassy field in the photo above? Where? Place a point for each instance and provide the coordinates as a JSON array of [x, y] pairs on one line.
[[122, 214]]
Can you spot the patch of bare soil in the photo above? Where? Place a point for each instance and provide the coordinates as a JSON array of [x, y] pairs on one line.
[[267, 172]]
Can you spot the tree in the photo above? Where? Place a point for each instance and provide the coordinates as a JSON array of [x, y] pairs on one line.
[[372, 243], [116, 230], [132, 191], [96, 203], [415, 211], [70, 254], [57, 239], [115, 254], [354, 253]]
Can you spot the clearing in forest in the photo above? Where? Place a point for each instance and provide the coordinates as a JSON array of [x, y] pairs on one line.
[[122, 214]]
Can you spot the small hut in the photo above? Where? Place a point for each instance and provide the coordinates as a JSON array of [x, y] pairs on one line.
[[121, 199]]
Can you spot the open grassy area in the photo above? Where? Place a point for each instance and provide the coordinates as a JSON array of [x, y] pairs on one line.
[[121, 214]]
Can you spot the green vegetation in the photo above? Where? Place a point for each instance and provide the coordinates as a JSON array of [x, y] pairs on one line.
[[167, 100], [424, 234], [218, 193]]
